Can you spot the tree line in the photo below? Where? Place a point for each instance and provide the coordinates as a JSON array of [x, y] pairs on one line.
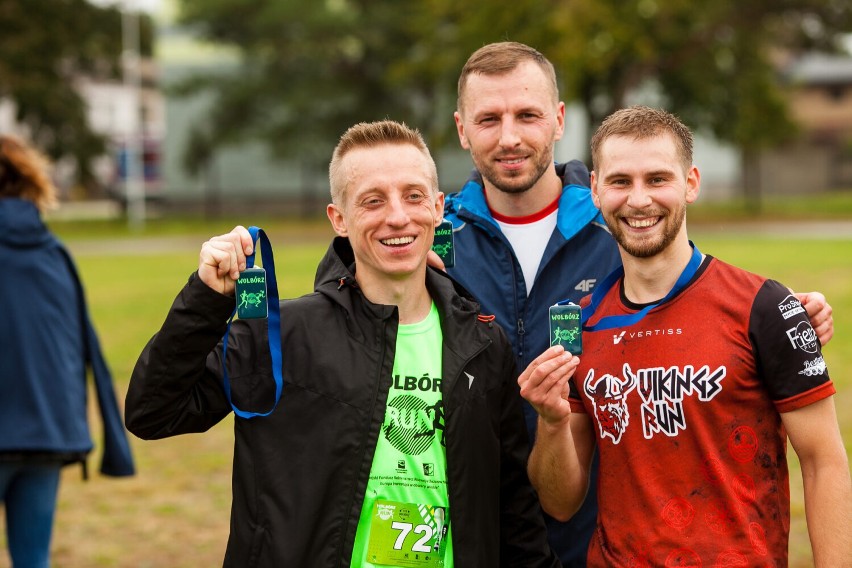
[[309, 69]]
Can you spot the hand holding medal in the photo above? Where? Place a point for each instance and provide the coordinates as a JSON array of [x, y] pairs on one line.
[[256, 293]]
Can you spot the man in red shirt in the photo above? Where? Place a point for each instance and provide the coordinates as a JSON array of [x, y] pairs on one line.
[[693, 374]]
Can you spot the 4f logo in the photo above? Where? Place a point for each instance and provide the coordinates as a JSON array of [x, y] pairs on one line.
[[586, 285]]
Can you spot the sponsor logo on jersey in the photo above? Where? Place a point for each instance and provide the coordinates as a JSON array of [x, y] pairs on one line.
[[645, 333], [608, 395], [803, 337], [662, 391], [790, 306], [814, 367]]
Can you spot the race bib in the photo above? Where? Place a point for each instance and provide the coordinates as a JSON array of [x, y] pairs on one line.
[[408, 534]]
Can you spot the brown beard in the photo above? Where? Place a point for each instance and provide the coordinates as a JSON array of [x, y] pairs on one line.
[[515, 184], [645, 248]]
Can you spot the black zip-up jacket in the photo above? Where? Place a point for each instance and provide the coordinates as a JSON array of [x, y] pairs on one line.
[[300, 474]]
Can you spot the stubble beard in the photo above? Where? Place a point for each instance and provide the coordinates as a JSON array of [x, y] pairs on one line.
[[511, 183]]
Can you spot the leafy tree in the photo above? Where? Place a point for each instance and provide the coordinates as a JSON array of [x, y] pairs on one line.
[[715, 63], [310, 68], [45, 47]]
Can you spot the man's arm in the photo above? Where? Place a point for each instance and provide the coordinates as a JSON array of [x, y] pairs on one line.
[[819, 312], [176, 385], [815, 436], [561, 457]]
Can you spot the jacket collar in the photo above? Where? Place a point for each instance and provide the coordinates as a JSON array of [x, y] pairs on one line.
[[576, 209], [458, 310], [336, 271], [20, 224]]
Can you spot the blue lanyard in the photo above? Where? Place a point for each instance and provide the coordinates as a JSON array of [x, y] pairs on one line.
[[610, 322], [273, 324]]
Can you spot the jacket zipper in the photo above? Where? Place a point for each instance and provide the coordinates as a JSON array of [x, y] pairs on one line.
[[464, 365], [521, 332], [372, 411]]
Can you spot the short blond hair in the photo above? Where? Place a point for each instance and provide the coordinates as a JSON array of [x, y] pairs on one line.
[[25, 173], [642, 122], [501, 58], [370, 135]]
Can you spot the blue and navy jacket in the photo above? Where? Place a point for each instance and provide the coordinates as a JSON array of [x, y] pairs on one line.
[[47, 343], [580, 253]]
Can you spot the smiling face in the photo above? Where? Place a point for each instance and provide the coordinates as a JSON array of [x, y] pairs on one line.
[[510, 123], [388, 210], [642, 189]]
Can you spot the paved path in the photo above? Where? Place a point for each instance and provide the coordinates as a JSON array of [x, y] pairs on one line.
[[135, 246], [152, 245], [835, 229]]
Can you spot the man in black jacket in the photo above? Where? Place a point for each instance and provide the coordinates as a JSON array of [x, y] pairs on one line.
[[398, 439]]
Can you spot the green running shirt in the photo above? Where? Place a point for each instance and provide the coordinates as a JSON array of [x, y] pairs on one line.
[[405, 518]]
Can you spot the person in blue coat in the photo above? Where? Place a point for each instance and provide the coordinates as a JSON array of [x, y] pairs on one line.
[[46, 344]]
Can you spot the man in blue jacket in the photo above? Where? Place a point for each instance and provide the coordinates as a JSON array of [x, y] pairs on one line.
[[526, 232]]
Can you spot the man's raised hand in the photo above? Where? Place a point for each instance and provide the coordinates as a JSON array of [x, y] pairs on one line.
[[223, 257]]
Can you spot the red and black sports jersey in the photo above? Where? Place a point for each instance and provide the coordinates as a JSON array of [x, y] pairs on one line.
[[686, 409]]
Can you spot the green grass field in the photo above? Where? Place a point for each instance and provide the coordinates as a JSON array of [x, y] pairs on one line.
[[175, 512], [804, 265]]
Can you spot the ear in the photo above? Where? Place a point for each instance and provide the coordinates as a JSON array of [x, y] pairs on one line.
[[460, 129], [596, 199], [560, 121], [693, 184], [338, 220], [439, 208]]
